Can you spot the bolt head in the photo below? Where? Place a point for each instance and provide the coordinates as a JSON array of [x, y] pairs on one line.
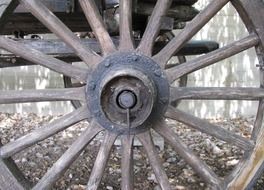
[[157, 73], [92, 86], [107, 64], [135, 58]]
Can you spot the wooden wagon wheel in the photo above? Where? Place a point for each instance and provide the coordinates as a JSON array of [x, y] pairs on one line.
[[128, 92]]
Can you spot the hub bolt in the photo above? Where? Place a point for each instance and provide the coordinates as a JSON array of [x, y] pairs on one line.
[[127, 100]]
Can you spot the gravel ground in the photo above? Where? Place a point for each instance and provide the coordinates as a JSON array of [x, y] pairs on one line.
[[35, 161]]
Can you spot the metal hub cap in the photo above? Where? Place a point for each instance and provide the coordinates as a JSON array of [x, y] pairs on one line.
[[127, 82], [127, 99]]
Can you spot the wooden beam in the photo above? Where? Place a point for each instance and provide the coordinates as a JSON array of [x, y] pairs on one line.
[[6, 9]]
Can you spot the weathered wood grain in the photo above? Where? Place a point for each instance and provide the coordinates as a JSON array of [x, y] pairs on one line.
[[101, 161], [189, 31], [7, 178], [213, 57], [65, 161], [176, 2], [97, 24], [127, 164], [6, 9], [37, 57], [195, 162], [125, 26], [154, 160], [22, 96], [254, 10], [216, 93], [60, 50], [153, 27], [250, 167], [209, 128], [44, 132], [178, 12], [45, 16]]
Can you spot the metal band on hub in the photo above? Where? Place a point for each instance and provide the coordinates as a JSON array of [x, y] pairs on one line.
[[127, 81]]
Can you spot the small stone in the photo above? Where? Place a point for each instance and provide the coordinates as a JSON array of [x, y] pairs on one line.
[[179, 187], [39, 155], [171, 160], [109, 188], [232, 162], [152, 177], [23, 160]]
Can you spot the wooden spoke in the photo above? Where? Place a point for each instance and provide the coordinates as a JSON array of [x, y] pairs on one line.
[[213, 57], [195, 162], [45, 16], [209, 128], [153, 27], [154, 160], [37, 57], [127, 182], [68, 158], [7, 178], [216, 93], [258, 122], [126, 31], [44, 132], [6, 9], [248, 171], [96, 22], [101, 161], [22, 96], [189, 31], [258, 125]]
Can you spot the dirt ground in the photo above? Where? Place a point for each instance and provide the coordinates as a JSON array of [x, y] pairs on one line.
[[35, 161]]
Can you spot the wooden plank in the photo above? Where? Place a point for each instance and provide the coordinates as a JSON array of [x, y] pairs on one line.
[[44, 132], [175, 2], [66, 160], [30, 25], [66, 6], [58, 48], [180, 13]]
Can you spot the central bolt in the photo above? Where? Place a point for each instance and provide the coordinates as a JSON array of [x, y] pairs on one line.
[[127, 99]]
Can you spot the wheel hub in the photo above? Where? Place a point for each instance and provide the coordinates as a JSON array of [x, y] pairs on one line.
[[127, 81]]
